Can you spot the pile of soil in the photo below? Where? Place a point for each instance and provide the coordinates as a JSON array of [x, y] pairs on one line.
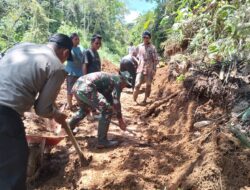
[[160, 150], [107, 66], [33, 123]]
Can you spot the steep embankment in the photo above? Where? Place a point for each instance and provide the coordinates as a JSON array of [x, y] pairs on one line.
[[161, 149]]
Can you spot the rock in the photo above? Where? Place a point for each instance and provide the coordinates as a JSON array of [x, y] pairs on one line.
[[202, 124], [197, 133]]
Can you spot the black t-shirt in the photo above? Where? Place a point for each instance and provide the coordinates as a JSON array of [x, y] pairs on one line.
[[92, 59]]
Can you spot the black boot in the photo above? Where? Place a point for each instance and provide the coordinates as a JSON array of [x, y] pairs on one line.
[[103, 128]]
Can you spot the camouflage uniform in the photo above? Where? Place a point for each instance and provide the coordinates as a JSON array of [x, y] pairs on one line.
[[98, 91]]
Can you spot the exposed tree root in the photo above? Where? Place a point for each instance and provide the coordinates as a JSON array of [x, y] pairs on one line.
[[152, 108]]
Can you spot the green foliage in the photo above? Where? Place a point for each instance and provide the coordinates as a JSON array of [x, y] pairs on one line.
[[105, 54], [35, 20], [38, 30], [213, 48], [69, 29], [180, 78], [215, 28], [218, 28], [144, 22], [23, 21]]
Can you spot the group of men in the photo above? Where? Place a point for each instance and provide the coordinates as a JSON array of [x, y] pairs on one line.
[[31, 75], [141, 63]]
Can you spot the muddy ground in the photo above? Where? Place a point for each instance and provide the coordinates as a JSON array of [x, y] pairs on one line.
[[161, 149]]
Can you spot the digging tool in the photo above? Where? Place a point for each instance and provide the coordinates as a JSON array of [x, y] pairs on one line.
[[83, 160]]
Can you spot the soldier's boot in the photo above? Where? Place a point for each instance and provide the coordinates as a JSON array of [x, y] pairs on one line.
[[103, 128]]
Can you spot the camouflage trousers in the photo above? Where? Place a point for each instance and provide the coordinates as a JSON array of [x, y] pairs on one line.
[[90, 100]]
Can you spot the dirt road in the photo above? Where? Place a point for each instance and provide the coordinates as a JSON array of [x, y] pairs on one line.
[[160, 150]]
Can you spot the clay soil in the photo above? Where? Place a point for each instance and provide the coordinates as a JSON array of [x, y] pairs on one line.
[[160, 150]]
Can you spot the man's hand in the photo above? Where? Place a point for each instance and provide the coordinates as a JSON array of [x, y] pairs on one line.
[[60, 117], [122, 125]]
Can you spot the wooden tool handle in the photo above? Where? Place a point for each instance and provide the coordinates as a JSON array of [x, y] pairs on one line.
[[83, 160]]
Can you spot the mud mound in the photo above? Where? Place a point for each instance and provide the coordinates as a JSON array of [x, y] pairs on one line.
[[211, 168], [208, 86], [107, 66]]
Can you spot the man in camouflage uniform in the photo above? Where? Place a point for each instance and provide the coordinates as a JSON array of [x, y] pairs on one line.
[[148, 59], [100, 91]]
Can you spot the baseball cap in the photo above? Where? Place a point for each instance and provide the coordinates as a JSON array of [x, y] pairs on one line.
[[125, 75], [61, 40]]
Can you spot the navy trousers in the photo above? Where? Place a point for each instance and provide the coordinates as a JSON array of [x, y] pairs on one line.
[[13, 150]]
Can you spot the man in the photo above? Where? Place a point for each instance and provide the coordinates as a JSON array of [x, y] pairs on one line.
[[148, 59], [30, 74], [129, 63], [131, 48], [100, 91], [92, 62]]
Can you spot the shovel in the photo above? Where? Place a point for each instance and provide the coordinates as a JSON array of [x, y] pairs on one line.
[[83, 160]]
